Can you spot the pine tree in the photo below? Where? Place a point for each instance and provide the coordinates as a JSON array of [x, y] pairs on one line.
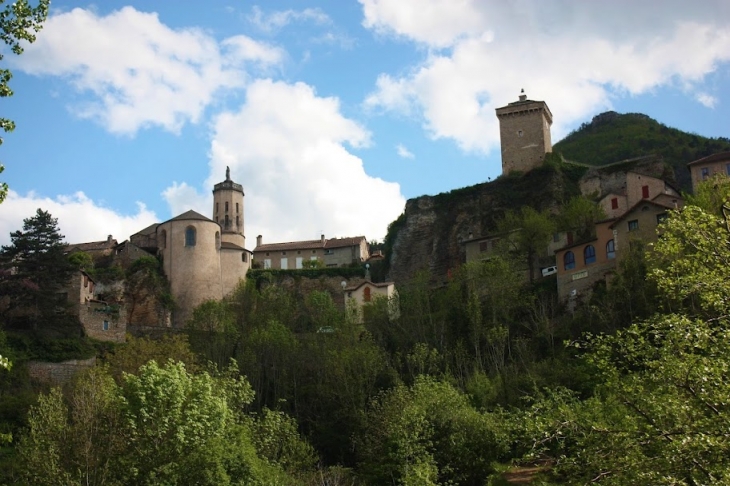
[[35, 269]]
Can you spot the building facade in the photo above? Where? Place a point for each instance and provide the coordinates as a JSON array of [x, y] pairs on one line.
[[334, 252], [203, 258], [707, 167], [524, 132]]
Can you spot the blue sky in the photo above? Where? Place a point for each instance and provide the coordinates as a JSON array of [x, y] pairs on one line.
[[330, 113]]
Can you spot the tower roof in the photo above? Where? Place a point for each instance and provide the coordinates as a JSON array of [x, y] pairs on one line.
[[228, 184], [524, 105], [191, 215]]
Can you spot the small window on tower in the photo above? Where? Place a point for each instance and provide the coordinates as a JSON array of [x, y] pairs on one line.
[[519, 133], [226, 206], [236, 208]]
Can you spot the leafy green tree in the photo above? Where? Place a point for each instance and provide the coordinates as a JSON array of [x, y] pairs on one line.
[[35, 269], [18, 22], [81, 260], [711, 194], [579, 215], [526, 234], [129, 357], [429, 434], [660, 413]]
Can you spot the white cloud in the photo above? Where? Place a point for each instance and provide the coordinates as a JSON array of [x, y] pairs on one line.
[[79, 218], [182, 197], [404, 152], [707, 100], [138, 71], [288, 147], [577, 56], [270, 22]]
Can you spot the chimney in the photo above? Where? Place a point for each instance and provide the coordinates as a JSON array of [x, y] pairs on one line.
[[109, 239], [523, 96], [259, 239], [322, 239]]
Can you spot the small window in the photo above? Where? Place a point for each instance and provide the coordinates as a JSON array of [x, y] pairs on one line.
[[366, 294], [483, 246], [217, 240], [267, 253], [226, 206], [314, 252], [589, 254], [329, 252], [227, 222], [190, 236], [236, 209], [610, 250], [519, 133], [243, 257], [645, 192], [105, 326], [238, 222], [556, 237], [705, 172], [660, 218], [633, 225], [86, 280], [299, 252], [645, 208], [283, 253], [163, 239], [267, 263], [216, 208], [614, 203], [569, 260]]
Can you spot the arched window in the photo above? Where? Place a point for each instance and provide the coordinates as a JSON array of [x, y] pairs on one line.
[[238, 222], [610, 250], [163, 240], [190, 236], [569, 260], [227, 223], [217, 240], [236, 208], [366, 294], [589, 254]]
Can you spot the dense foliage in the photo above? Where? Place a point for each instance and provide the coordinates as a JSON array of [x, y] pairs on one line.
[[611, 137]]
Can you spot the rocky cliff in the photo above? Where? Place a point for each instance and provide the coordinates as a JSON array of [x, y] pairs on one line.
[[428, 236]]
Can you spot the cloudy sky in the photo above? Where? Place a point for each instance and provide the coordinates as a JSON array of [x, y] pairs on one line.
[[330, 113]]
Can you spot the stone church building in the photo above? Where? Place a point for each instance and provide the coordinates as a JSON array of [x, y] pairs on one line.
[[203, 258]]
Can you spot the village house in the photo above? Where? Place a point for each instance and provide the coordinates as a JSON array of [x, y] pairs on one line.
[[707, 167], [335, 252], [100, 320], [358, 296]]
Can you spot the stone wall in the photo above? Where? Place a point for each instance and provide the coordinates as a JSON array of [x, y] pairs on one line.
[[103, 322], [58, 373]]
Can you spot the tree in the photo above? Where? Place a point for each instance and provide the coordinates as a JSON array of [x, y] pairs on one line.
[[661, 411], [35, 269], [579, 215], [526, 233], [18, 22]]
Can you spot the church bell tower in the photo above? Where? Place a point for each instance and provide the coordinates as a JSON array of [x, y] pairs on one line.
[[228, 210]]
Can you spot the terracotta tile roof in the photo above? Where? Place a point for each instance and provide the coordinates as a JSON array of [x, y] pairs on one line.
[[343, 242], [151, 229], [719, 157], [226, 245], [311, 244], [291, 245], [107, 244], [191, 215]]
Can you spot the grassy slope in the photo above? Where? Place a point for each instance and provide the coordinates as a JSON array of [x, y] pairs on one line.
[[611, 137]]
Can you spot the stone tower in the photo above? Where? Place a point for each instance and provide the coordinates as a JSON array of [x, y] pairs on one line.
[[228, 210], [524, 129]]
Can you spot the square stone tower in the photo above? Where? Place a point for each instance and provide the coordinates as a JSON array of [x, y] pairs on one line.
[[524, 129]]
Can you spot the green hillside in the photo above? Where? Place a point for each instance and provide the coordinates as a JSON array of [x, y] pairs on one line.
[[611, 137]]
